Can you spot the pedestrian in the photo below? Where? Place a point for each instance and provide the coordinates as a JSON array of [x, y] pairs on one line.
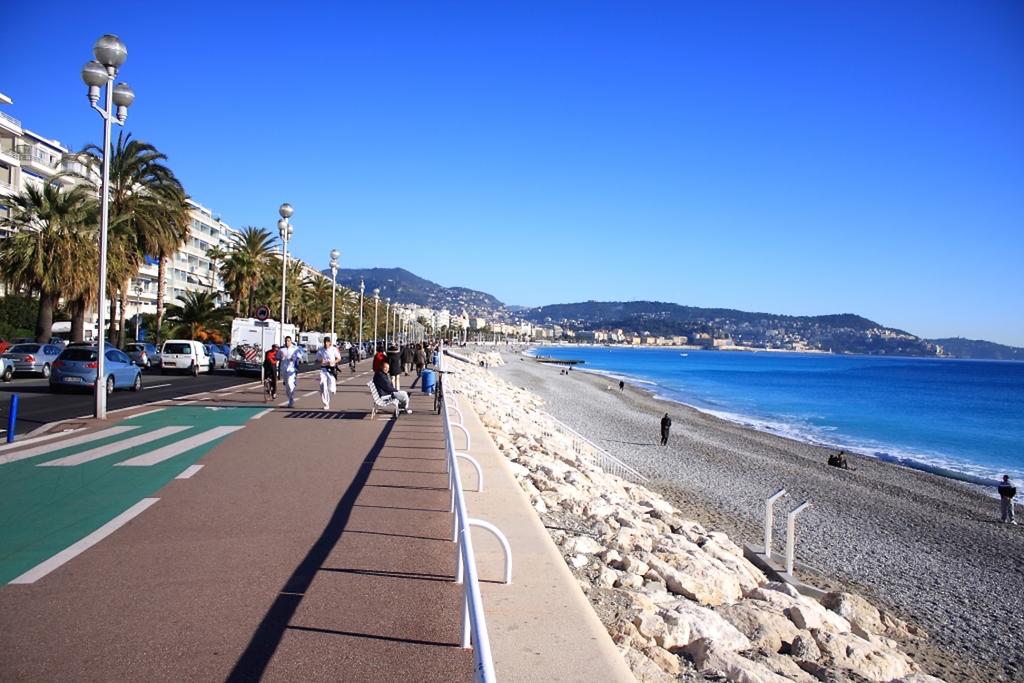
[[407, 358], [666, 425], [395, 364], [288, 360], [421, 359], [328, 358], [379, 358], [622, 385], [1007, 492]]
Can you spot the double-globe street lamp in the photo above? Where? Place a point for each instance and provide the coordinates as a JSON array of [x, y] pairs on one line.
[[334, 289], [285, 230], [110, 54], [361, 288], [376, 301], [387, 321]]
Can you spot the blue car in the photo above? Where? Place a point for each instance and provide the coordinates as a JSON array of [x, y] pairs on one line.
[[76, 367]]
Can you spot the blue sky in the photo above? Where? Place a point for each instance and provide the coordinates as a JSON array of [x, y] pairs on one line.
[[795, 157]]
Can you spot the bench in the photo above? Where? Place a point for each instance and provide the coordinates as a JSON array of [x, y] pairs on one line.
[[378, 402]]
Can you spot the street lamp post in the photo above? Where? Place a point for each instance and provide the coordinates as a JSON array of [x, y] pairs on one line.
[[110, 54], [285, 230], [334, 289], [376, 300], [387, 320], [361, 288], [138, 308]]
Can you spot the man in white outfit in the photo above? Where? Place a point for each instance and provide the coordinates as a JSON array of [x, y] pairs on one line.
[[329, 358], [289, 359]]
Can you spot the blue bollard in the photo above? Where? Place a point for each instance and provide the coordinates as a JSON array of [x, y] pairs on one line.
[[12, 418]]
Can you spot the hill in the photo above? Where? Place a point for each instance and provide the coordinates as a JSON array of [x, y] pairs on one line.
[[958, 347], [407, 288]]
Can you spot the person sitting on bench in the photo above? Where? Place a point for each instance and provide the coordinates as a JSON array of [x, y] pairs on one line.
[[387, 390]]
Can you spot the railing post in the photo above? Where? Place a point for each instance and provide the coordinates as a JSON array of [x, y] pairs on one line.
[[769, 518], [791, 534]]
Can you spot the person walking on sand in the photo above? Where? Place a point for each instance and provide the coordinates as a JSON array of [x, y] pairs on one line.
[[328, 359], [622, 385], [666, 426], [1007, 492]]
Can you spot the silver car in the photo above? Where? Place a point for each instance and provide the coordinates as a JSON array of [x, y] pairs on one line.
[[143, 354], [36, 358]]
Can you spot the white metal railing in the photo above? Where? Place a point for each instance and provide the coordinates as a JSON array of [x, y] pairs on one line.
[[581, 445], [474, 625]]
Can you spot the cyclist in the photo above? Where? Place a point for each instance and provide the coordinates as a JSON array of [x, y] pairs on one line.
[[328, 359], [270, 370], [288, 357]]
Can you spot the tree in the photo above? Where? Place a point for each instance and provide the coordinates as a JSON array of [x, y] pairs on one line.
[[247, 266], [149, 215], [198, 316], [52, 251]]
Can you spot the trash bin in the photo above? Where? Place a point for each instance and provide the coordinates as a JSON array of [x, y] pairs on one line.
[[435, 359], [428, 379]]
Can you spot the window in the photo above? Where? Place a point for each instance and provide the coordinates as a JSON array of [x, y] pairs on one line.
[[79, 354], [177, 348]]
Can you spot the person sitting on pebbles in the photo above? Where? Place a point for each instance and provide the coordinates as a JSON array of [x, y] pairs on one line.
[[839, 460]]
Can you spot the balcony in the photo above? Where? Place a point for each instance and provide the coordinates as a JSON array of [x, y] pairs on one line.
[[9, 122], [38, 159]]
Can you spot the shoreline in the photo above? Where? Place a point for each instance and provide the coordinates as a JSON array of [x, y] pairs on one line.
[[923, 545], [986, 479]]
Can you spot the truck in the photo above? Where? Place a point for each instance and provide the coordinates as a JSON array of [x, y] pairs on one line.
[[250, 338], [311, 341]]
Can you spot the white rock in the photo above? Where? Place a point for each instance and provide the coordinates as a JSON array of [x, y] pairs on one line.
[[764, 624], [579, 561], [585, 545], [697, 577], [708, 657], [687, 622]]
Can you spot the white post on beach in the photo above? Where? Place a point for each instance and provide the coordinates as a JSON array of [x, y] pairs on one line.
[[769, 518], [791, 534]]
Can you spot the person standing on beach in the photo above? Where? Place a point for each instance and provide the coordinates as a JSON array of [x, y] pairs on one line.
[[1007, 492], [622, 385], [666, 425]]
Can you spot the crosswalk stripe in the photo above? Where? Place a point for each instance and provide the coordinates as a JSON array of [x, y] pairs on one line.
[[171, 450], [148, 412], [189, 471], [111, 448], [262, 413], [36, 439], [76, 549], [75, 441]]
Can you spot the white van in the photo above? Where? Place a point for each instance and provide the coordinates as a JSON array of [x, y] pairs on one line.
[[184, 355]]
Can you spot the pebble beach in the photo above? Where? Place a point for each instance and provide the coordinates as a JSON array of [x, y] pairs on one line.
[[920, 546]]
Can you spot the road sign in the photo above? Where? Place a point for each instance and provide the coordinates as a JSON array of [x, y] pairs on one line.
[[263, 312], [262, 323]]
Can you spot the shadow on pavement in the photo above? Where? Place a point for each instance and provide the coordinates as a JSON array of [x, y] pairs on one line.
[[253, 662]]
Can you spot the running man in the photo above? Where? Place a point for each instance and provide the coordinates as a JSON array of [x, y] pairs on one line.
[[288, 358], [328, 358], [270, 369]]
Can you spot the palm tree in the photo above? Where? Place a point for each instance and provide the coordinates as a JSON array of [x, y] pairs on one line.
[[198, 316], [52, 250], [149, 214], [248, 264]]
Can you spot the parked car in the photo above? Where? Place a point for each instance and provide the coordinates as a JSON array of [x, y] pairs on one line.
[[218, 359], [145, 355], [76, 367], [6, 369], [33, 357], [184, 355]]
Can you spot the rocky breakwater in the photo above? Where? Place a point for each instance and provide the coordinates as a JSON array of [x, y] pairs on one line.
[[681, 602]]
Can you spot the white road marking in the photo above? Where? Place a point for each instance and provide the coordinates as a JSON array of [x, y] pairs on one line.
[[262, 413], [157, 386], [111, 448], [51, 447], [76, 549], [310, 393], [148, 412], [36, 439], [171, 450], [189, 471]]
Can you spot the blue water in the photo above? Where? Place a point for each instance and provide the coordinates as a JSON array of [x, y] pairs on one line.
[[954, 417]]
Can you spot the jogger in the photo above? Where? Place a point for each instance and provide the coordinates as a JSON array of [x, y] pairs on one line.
[[288, 355], [328, 358]]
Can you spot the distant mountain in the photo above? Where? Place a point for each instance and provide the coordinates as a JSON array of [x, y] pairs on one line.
[[407, 288], [840, 333], [958, 347]]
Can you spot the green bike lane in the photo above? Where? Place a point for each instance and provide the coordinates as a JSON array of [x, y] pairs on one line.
[[51, 501]]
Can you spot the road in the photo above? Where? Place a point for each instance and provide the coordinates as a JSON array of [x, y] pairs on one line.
[[38, 406]]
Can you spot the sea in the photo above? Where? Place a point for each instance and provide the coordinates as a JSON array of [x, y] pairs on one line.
[[956, 418]]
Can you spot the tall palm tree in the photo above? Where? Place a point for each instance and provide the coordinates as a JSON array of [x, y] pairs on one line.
[[248, 264], [53, 249], [198, 316], [149, 214]]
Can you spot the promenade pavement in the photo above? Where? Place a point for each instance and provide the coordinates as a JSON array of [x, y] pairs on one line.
[[216, 540]]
